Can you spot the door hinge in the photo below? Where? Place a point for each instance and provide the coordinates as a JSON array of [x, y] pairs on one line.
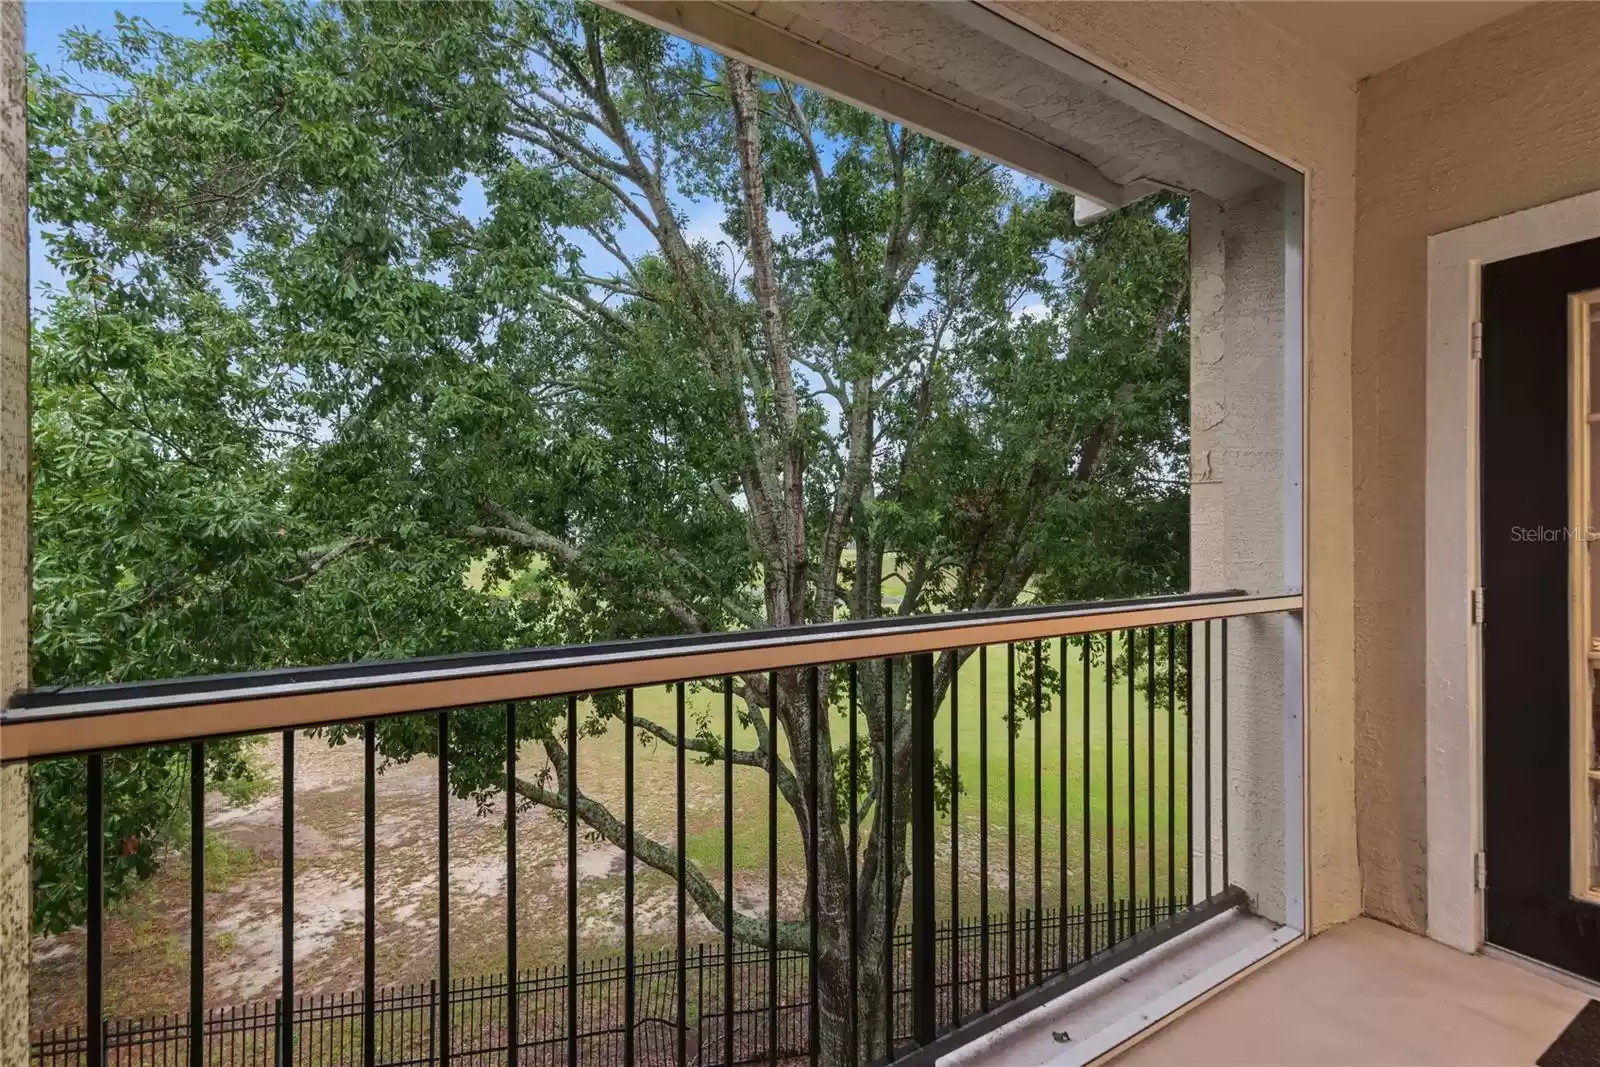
[[1477, 340], [1480, 870], [1477, 606]]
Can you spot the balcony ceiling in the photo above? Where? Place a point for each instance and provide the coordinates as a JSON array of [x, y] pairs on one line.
[[966, 73], [1363, 37]]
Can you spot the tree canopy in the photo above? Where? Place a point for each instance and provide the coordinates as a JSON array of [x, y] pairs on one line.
[[401, 328]]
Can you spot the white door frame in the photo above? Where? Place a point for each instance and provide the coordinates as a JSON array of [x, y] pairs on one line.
[[1452, 655]]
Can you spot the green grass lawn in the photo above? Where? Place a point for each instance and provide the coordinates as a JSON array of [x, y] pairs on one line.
[[1058, 779]]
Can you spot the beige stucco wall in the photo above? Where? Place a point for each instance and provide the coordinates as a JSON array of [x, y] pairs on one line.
[[1244, 75], [14, 481], [1504, 118], [1236, 535]]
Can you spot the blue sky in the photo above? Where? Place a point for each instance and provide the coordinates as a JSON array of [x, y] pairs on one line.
[[47, 20]]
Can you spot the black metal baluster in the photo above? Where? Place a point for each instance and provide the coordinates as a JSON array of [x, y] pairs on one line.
[[813, 1015], [1223, 683], [95, 858], [955, 838], [444, 886], [1208, 759], [1133, 748], [727, 872], [1188, 766], [983, 828], [1038, 809], [1029, 926], [1150, 766], [772, 868], [433, 1010], [682, 843], [572, 881], [1011, 819], [855, 854], [369, 911], [1061, 822], [197, 902], [630, 988], [1172, 772], [1111, 794], [1088, 814], [286, 1038], [511, 885], [886, 820], [923, 967]]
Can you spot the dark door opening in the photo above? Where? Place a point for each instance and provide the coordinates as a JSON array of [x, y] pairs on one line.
[[1527, 648]]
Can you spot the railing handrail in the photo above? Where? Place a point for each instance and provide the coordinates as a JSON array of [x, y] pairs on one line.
[[77, 719]]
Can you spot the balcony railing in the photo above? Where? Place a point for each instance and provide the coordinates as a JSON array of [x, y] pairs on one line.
[[825, 980]]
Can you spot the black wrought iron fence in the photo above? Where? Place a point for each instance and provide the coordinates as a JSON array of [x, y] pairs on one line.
[[326, 1030]]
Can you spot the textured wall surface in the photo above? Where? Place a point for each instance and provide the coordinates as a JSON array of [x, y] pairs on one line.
[[1246, 76], [1207, 278], [1504, 118], [1236, 529], [14, 495], [1252, 464]]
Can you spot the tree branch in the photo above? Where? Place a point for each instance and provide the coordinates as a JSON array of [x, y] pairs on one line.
[[745, 99], [792, 936], [566, 144], [606, 241], [613, 285], [582, 305], [315, 560], [752, 621], [517, 534], [577, 114], [757, 757], [588, 170]]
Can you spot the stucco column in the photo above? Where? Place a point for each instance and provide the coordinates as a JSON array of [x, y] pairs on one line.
[[14, 498], [1237, 534]]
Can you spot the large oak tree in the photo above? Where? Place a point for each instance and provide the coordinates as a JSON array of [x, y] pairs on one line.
[[360, 297]]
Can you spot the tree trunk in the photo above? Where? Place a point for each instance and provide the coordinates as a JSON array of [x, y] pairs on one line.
[[860, 936], [833, 998]]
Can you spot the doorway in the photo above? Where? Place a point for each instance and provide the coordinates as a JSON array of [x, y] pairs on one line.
[[1530, 428]]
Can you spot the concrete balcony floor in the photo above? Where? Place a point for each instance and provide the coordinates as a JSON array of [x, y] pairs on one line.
[[1366, 993]]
